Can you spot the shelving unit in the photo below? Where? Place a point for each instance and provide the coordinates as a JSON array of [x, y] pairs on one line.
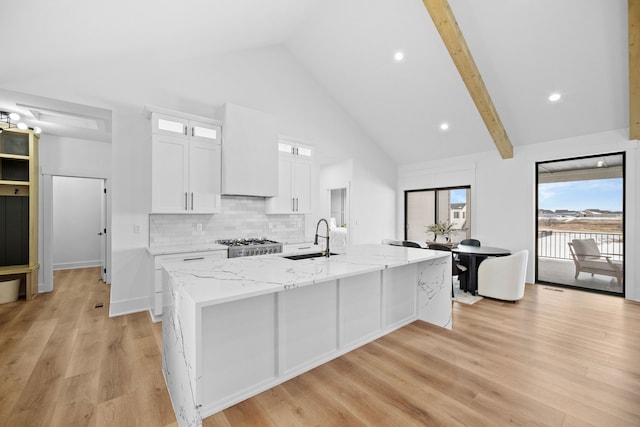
[[19, 208]]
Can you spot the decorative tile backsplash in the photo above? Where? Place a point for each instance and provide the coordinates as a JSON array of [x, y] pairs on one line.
[[240, 217]]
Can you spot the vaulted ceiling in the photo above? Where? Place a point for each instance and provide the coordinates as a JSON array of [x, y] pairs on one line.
[[524, 51]]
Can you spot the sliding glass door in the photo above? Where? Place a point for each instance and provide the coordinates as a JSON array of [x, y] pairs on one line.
[[426, 207], [580, 226]]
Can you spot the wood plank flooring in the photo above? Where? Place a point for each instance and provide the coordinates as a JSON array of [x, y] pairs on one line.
[[556, 358]]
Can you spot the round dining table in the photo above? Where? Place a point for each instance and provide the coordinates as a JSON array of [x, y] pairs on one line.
[[475, 255]]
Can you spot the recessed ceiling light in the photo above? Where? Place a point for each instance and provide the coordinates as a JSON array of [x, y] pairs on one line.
[[399, 56], [600, 163], [14, 116], [444, 126], [554, 97], [37, 130], [22, 126]]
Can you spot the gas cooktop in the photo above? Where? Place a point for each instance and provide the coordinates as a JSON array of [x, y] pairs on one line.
[[251, 246]]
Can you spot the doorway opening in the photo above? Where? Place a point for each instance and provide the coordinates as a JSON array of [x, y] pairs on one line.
[[339, 217], [581, 220], [75, 225]]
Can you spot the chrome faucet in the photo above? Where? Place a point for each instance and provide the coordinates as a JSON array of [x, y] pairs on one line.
[[315, 242]]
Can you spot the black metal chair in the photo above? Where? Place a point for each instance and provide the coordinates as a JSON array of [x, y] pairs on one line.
[[414, 244], [457, 269], [465, 259]]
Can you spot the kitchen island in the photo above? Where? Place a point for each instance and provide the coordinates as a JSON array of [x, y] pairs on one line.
[[233, 328]]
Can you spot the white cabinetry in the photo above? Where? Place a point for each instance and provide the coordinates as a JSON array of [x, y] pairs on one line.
[[160, 260], [294, 180], [185, 165]]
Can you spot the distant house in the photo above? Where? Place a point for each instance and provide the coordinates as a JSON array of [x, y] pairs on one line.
[[458, 216]]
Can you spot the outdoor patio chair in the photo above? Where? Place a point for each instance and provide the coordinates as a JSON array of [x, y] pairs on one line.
[[587, 258]]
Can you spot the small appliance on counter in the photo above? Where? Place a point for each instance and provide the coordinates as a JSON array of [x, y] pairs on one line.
[[251, 246]]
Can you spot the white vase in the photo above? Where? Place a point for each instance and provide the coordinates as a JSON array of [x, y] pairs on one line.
[[441, 238]]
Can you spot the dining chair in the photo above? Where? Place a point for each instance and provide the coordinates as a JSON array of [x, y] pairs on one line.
[[457, 269], [414, 244], [392, 242], [465, 259], [503, 277]]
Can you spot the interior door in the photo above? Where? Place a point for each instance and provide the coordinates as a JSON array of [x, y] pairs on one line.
[[103, 233]]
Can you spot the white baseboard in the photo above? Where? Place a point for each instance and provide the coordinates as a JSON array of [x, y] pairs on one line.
[[154, 318], [78, 264], [129, 306]]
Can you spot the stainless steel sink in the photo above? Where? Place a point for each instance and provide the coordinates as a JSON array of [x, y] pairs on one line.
[[307, 256]]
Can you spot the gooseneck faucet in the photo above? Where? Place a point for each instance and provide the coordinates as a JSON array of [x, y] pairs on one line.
[[315, 242]]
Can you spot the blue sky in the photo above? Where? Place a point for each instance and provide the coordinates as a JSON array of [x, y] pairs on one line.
[[603, 194], [458, 196]]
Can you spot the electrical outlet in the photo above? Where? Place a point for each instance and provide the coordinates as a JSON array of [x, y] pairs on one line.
[[136, 228], [199, 228]]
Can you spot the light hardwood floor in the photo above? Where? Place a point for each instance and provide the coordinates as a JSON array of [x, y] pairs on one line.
[[557, 358]]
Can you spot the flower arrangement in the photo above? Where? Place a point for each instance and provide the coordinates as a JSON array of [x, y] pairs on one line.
[[444, 228]]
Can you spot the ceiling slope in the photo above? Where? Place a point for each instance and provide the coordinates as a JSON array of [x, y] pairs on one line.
[[445, 21], [524, 51]]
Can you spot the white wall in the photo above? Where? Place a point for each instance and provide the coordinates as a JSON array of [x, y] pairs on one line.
[[270, 80], [76, 222], [503, 192]]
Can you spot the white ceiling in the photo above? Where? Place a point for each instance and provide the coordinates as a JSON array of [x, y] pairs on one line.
[[524, 50]]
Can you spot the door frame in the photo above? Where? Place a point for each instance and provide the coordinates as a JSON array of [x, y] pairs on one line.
[[624, 222], [46, 222]]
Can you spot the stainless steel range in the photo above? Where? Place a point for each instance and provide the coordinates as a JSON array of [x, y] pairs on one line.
[[252, 246]]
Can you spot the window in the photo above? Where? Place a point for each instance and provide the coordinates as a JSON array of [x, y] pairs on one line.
[[425, 207]]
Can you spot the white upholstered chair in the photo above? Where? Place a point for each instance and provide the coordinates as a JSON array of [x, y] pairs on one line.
[[503, 277]]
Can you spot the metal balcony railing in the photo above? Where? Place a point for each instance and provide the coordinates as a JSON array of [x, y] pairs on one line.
[[554, 244]]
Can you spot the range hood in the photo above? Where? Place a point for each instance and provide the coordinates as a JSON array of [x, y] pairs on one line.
[[249, 152]]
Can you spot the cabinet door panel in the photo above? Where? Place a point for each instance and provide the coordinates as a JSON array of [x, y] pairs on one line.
[[169, 175], [204, 132], [283, 203], [167, 125], [204, 177], [302, 185]]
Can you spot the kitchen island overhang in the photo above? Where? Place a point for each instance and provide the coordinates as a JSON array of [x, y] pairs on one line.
[[236, 327]]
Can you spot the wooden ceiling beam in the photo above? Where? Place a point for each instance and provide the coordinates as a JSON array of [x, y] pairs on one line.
[[634, 69], [444, 20]]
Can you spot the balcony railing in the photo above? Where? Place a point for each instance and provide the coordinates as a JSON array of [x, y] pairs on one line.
[[554, 244]]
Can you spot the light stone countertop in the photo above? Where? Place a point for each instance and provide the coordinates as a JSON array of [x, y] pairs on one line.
[[223, 280]]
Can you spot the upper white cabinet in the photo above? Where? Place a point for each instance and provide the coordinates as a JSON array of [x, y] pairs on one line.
[[250, 155], [185, 165], [163, 124], [294, 180]]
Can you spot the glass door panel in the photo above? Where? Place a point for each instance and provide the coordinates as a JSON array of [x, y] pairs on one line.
[[580, 226]]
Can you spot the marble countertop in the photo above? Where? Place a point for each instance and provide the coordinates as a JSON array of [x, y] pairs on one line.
[[223, 280], [186, 249]]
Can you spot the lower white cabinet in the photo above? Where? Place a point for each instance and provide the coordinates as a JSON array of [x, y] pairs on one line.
[[159, 260]]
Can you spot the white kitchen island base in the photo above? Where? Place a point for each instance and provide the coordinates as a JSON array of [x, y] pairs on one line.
[[220, 351]]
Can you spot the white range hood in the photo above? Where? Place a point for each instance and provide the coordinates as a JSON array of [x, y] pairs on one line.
[[249, 152]]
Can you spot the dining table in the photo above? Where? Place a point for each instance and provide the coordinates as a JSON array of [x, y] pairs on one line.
[[473, 256]]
